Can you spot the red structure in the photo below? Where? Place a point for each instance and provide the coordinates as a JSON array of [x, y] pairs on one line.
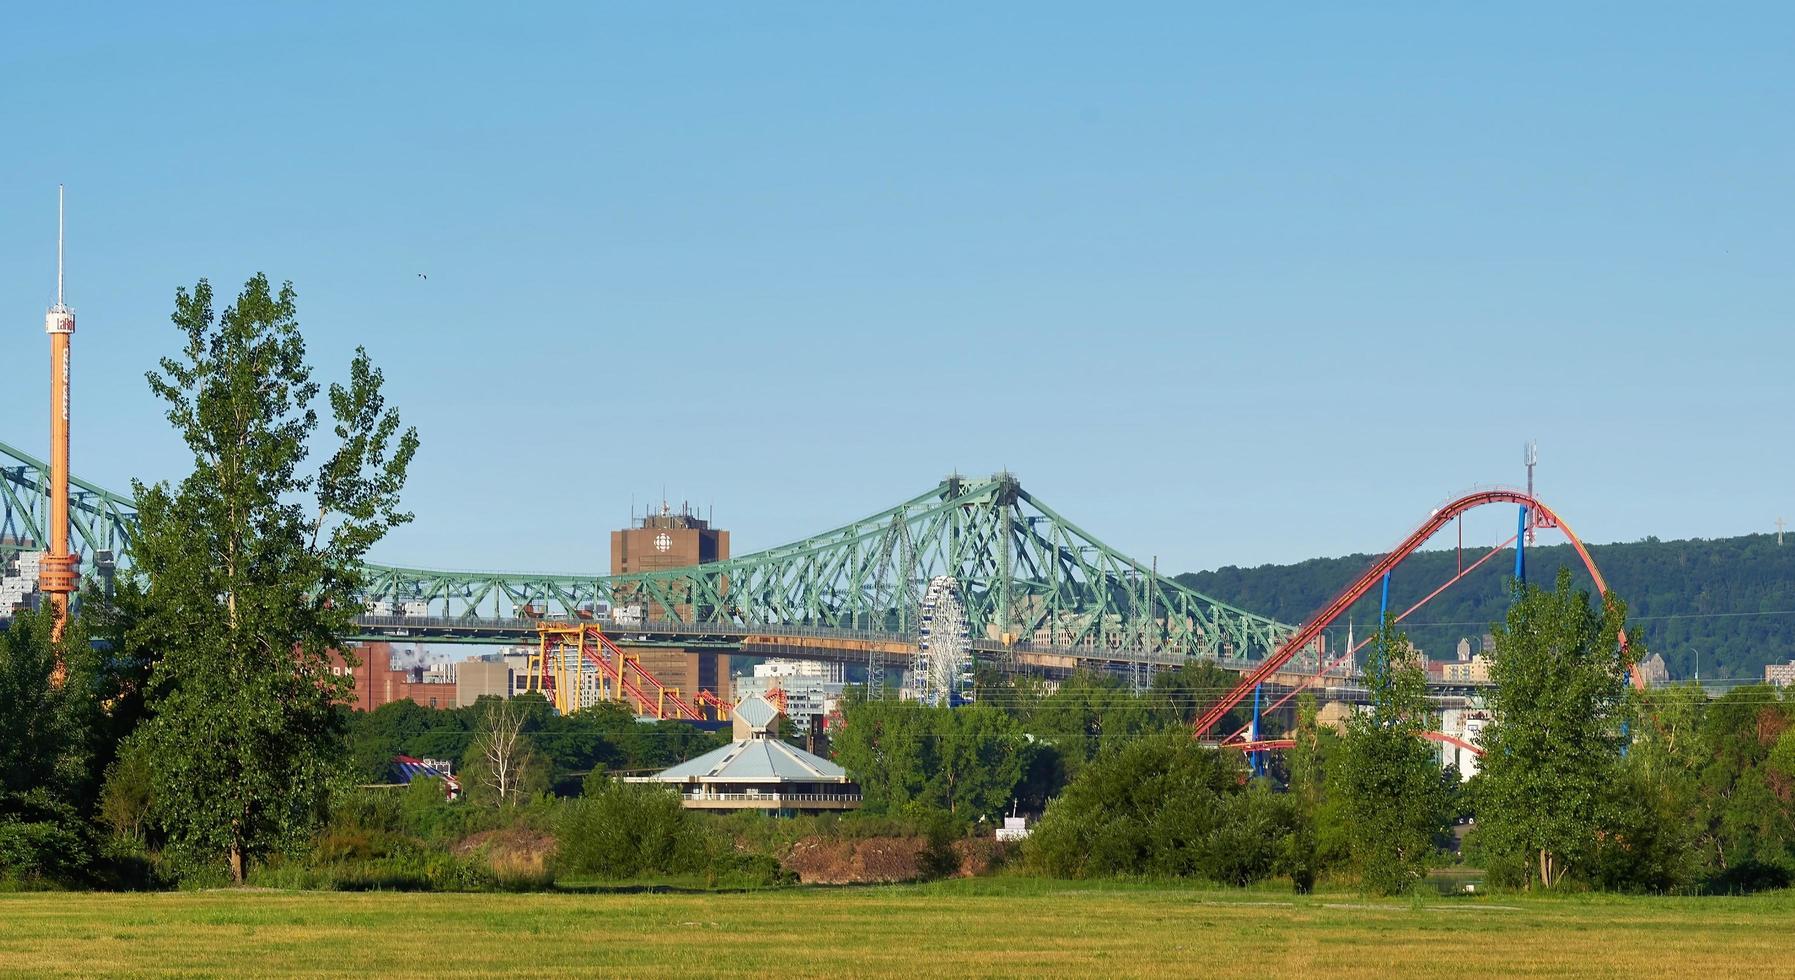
[[378, 682], [1543, 517]]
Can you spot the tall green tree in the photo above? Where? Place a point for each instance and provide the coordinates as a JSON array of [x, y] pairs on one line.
[[44, 754], [1554, 743], [249, 568], [968, 762], [1748, 787], [1394, 797], [1651, 812], [884, 744], [980, 757]]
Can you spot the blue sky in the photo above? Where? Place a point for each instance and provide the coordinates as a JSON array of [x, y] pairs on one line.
[[1225, 284]]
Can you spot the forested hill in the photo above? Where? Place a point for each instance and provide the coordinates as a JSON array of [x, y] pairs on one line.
[[1731, 599]]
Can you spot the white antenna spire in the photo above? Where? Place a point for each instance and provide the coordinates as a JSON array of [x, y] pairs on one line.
[[1532, 459], [58, 244]]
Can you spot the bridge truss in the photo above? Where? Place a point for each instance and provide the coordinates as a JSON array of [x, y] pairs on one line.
[[1025, 575], [101, 523]]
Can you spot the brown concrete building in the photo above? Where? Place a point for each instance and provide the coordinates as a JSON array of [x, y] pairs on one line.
[[475, 679], [658, 542], [378, 682], [666, 540]]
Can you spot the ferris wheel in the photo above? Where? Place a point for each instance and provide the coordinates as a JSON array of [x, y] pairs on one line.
[[941, 672]]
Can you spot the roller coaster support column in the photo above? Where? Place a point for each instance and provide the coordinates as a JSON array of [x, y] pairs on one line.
[[1255, 759], [1521, 548], [1383, 611]]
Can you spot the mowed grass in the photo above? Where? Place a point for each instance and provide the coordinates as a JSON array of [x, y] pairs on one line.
[[998, 927]]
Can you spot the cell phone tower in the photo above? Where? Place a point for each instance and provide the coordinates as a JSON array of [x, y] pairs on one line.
[[57, 575], [1532, 461]]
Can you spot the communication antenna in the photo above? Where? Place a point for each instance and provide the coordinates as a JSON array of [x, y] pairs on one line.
[[59, 228], [1532, 512], [1780, 524]]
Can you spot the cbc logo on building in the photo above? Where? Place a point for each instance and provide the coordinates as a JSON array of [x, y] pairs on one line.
[[663, 542]]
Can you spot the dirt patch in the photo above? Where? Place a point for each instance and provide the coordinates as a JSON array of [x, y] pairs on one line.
[[834, 861], [979, 856], [830, 861], [510, 850]]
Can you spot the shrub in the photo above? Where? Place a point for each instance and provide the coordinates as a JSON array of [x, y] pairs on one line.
[[1166, 806], [628, 829], [1750, 876], [43, 841]]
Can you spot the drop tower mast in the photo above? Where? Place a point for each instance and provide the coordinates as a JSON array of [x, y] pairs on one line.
[[57, 576]]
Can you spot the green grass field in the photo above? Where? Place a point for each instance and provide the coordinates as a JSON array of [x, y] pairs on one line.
[[1000, 927]]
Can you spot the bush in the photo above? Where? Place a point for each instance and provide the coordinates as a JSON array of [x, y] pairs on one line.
[[409, 870], [1750, 876], [628, 829], [1164, 806], [44, 841]]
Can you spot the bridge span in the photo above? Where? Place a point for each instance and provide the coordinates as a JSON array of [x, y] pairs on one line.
[[859, 647]]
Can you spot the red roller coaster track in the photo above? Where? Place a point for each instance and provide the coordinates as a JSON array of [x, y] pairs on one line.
[[1338, 606]]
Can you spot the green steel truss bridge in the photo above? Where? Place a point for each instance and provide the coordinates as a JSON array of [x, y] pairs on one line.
[[1029, 578]]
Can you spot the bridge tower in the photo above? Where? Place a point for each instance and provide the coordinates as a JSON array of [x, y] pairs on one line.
[[57, 577]]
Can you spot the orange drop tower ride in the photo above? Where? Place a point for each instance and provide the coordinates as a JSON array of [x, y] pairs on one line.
[[57, 574]]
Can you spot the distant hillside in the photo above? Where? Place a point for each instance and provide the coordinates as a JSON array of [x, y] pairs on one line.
[[1731, 599]]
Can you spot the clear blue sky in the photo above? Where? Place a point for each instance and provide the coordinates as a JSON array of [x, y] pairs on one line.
[[1227, 283]]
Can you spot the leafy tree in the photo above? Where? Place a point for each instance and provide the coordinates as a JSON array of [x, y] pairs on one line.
[[125, 799], [884, 744], [1178, 696], [44, 754], [979, 760], [1554, 743], [1651, 810], [1164, 805], [1748, 819], [968, 762], [1395, 799], [39, 746], [250, 569], [1319, 837]]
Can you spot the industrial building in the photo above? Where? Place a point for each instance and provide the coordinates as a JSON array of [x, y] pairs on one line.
[[377, 681], [758, 771]]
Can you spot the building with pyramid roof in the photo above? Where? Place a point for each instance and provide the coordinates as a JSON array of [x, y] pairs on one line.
[[759, 771]]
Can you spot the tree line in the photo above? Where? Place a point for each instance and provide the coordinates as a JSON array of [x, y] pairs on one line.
[[201, 734]]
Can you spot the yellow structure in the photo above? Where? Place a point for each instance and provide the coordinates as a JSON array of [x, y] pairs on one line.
[[572, 658]]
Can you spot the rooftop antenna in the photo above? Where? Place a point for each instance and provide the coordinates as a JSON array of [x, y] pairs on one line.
[[1532, 512]]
